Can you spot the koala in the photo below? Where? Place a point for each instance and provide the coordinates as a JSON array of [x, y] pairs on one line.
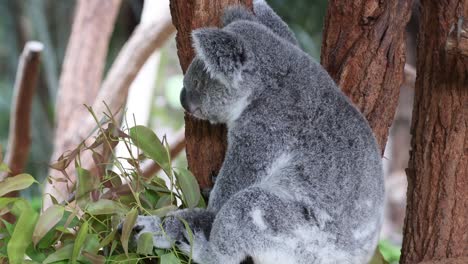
[[302, 179]]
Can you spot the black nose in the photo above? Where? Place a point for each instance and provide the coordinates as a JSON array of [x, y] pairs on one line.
[[183, 99]]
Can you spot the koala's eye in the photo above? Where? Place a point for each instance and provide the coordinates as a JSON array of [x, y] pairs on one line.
[[196, 83]]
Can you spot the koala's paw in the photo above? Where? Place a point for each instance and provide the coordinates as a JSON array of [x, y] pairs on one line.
[[165, 232], [152, 224]]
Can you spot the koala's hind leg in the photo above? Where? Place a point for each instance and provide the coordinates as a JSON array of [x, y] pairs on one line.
[[251, 224]]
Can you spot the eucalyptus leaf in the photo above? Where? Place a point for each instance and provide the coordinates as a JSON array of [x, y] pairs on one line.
[[104, 207], [22, 234], [145, 244], [5, 201], [15, 183], [4, 168], [79, 241], [170, 258], [94, 258], [86, 183], [127, 228], [164, 201], [109, 238], [126, 259], [378, 258], [47, 220], [146, 140], [91, 244], [63, 253], [163, 211], [189, 187]]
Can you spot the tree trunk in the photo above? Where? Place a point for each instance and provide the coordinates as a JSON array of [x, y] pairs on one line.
[[82, 72], [364, 51], [437, 209], [206, 144]]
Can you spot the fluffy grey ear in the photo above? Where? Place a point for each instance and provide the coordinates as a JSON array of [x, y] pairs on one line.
[[222, 52]]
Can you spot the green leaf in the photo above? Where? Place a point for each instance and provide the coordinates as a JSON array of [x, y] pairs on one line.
[[125, 259], [390, 252], [36, 255], [63, 253], [127, 228], [5, 201], [190, 235], [91, 244], [8, 226], [163, 211], [169, 258], [146, 140], [47, 220], [145, 244], [94, 258], [79, 241], [189, 187], [109, 238], [105, 207], [86, 183], [378, 258], [22, 234], [15, 183], [4, 168], [164, 201]]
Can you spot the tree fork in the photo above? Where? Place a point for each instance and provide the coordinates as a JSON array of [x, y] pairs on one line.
[[205, 143], [363, 49], [437, 207]]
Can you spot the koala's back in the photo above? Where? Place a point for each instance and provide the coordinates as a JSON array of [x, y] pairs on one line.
[[319, 150]]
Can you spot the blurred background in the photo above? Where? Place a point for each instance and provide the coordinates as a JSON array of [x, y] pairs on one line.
[[50, 21]]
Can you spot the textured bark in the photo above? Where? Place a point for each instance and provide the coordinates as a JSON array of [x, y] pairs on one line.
[[364, 51], [436, 221], [206, 144], [81, 75]]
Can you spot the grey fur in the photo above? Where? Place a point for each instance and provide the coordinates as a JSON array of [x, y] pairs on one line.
[[302, 179]]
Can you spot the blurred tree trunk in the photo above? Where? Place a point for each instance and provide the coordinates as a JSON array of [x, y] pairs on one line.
[[436, 221], [363, 49], [81, 75], [205, 143]]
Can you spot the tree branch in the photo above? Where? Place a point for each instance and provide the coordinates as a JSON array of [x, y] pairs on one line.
[[81, 77], [19, 141], [114, 90]]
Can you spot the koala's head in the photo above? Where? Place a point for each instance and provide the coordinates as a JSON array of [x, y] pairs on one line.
[[215, 83]]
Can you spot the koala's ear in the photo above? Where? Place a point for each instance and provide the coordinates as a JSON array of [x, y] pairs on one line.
[[222, 52]]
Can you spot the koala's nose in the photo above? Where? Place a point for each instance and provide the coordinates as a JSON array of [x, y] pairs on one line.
[[183, 99]]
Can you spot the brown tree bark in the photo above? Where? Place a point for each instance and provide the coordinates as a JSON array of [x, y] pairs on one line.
[[19, 134], [363, 49], [436, 221], [82, 72], [206, 144]]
